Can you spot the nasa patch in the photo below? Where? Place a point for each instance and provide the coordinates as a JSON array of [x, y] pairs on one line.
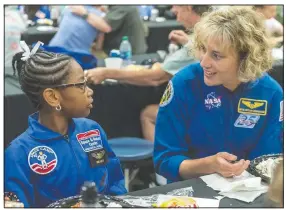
[[212, 101], [42, 160], [90, 140]]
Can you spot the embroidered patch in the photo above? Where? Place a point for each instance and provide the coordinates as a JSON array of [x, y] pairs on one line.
[[168, 95], [42, 160], [246, 121], [90, 140], [97, 157], [252, 106], [281, 117], [212, 101]]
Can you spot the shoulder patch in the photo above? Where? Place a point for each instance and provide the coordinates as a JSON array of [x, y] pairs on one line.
[[42, 160], [281, 116], [90, 140], [168, 95]]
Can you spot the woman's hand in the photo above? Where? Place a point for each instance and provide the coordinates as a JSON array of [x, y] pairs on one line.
[[221, 163], [78, 10], [95, 76], [179, 37]]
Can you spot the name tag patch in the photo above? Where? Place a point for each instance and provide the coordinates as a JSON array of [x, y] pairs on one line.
[[97, 158], [90, 140], [252, 106], [246, 121]]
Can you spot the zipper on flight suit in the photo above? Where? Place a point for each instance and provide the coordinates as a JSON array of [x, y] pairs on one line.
[[66, 137]]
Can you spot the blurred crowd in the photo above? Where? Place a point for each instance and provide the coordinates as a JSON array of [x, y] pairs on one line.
[[97, 29]]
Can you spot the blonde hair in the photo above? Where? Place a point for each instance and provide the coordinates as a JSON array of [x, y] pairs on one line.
[[242, 29]]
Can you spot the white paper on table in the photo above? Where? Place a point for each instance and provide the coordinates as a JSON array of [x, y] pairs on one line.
[[245, 187], [244, 195], [250, 184], [202, 202]]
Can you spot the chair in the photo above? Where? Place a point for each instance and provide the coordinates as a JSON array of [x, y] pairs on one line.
[[131, 152]]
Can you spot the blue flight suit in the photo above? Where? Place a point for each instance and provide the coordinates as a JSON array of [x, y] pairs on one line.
[[42, 166], [196, 120]]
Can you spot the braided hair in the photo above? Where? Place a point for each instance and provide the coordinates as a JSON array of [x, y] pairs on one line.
[[42, 70]]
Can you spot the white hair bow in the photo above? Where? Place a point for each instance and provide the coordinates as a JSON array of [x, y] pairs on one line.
[[27, 53]]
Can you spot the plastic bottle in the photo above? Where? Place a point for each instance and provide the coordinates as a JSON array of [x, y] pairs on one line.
[[125, 51], [89, 195]]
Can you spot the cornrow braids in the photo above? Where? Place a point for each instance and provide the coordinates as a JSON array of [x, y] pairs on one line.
[[42, 70]]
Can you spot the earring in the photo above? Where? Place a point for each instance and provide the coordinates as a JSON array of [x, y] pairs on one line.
[[58, 108]]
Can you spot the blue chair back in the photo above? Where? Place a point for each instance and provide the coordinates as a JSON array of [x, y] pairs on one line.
[[129, 149], [85, 60]]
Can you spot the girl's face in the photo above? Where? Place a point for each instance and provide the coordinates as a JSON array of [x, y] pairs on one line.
[[220, 65], [75, 100]]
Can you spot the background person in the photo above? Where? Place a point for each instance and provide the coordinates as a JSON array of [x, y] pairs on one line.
[[159, 73], [124, 21], [15, 24], [273, 26], [87, 26]]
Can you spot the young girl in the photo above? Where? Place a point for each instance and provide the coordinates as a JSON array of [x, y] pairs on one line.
[[60, 149]]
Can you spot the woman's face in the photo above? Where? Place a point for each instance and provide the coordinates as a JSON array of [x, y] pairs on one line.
[[76, 101], [184, 15], [220, 64]]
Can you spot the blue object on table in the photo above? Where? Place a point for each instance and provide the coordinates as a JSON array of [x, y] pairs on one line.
[[131, 148], [114, 53], [130, 151], [145, 11], [85, 60]]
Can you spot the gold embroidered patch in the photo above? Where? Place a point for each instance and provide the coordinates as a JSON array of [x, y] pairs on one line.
[[168, 95], [252, 106]]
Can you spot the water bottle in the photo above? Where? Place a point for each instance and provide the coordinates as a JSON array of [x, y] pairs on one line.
[[89, 195], [125, 51]]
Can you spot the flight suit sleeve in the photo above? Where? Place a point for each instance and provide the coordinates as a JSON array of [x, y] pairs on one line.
[[17, 176], [170, 146], [115, 175], [271, 138]]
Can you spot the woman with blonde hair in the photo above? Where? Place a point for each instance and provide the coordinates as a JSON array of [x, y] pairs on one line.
[[218, 114]]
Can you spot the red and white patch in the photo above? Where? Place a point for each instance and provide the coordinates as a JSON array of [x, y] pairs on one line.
[[90, 140], [281, 116], [42, 160]]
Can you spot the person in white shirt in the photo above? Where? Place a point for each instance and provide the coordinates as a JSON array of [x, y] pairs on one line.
[[14, 26], [273, 26]]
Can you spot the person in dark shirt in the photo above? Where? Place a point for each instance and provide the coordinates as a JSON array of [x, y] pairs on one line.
[[125, 21]]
